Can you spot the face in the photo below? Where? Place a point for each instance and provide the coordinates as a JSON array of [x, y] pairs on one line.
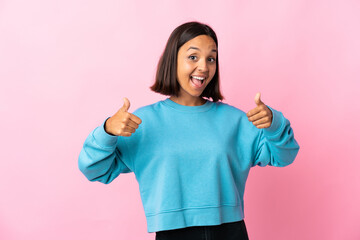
[[196, 65]]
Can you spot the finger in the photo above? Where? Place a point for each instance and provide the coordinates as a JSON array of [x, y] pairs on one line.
[[261, 121], [257, 99], [126, 105], [126, 134], [135, 118], [257, 116], [265, 125], [253, 111], [128, 129], [132, 124]]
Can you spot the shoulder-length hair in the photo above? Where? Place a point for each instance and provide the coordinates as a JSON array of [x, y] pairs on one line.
[[166, 75]]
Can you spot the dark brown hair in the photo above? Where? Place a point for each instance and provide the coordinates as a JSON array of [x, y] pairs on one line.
[[166, 75]]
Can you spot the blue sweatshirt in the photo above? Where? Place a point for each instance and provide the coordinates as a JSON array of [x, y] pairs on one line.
[[191, 162]]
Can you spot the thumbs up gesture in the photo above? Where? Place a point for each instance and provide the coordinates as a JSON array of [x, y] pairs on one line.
[[122, 123], [261, 116]]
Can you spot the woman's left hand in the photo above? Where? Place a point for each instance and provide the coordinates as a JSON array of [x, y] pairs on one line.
[[261, 116]]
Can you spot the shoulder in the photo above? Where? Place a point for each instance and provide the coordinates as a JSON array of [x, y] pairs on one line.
[[229, 109], [234, 114], [238, 118], [147, 109]]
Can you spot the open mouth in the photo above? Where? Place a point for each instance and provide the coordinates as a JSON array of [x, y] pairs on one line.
[[197, 81]]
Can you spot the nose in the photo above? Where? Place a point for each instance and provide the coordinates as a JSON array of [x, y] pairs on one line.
[[203, 65]]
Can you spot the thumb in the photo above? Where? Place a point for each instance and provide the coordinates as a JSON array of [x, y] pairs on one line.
[[257, 99], [126, 105]]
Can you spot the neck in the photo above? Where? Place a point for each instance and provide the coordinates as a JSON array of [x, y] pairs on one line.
[[191, 101]]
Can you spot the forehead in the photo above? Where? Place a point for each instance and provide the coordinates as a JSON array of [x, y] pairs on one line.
[[202, 42]]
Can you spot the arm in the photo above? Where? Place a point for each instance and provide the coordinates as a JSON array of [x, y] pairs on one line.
[[276, 144], [101, 158]]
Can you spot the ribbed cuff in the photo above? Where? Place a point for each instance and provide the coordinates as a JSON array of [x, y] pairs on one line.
[[103, 138], [277, 121]]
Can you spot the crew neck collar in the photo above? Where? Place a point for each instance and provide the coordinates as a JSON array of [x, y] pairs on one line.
[[201, 108]]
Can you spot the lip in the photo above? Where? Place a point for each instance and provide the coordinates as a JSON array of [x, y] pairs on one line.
[[196, 87], [202, 76]]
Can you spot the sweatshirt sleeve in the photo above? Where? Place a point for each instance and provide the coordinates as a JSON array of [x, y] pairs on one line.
[[276, 144], [102, 155]]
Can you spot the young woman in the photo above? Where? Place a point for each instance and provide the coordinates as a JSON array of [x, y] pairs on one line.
[[191, 156]]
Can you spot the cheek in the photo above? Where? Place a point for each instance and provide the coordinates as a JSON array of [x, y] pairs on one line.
[[185, 70], [212, 70]]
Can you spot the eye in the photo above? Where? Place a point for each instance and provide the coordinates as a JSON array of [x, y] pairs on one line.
[[192, 57], [211, 59]]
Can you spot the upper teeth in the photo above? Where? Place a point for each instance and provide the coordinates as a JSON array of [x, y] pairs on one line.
[[198, 78]]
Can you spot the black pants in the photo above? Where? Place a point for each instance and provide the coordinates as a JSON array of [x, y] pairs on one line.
[[225, 231]]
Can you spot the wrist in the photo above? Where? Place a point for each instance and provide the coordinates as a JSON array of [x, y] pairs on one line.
[[106, 126]]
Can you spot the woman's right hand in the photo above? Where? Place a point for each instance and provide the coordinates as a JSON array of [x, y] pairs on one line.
[[122, 123]]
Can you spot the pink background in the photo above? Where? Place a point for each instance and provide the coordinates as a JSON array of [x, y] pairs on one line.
[[66, 65]]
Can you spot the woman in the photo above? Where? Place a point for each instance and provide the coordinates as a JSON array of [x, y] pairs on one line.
[[191, 156]]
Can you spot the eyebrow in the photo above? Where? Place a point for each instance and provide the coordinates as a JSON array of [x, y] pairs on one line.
[[214, 50]]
